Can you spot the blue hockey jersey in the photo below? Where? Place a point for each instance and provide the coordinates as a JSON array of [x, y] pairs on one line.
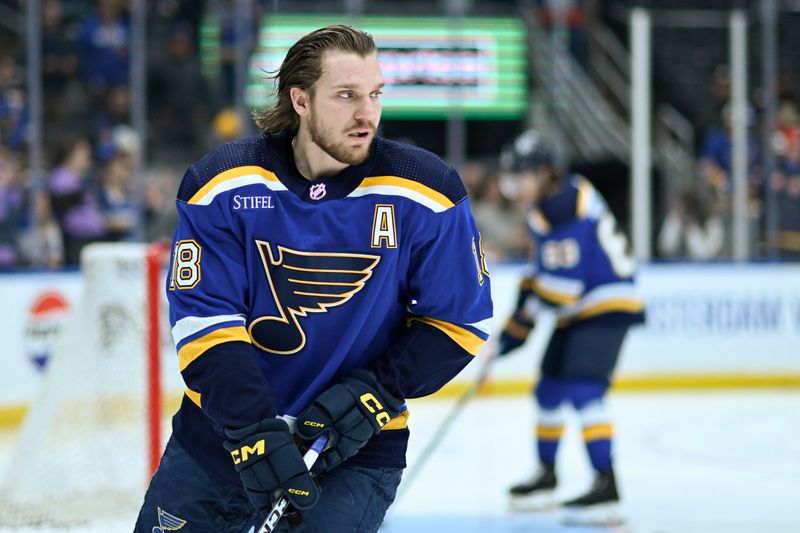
[[281, 285], [582, 264]]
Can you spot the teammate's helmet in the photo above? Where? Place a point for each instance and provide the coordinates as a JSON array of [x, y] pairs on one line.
[[528, 151]]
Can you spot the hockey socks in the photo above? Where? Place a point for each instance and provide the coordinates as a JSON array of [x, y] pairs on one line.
[[587, 397]]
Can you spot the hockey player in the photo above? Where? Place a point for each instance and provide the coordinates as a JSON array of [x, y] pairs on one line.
[[321, 275], [581, 269]]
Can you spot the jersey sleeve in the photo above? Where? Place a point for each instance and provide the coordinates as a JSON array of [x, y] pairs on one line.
[[449, 310], [207, 294]]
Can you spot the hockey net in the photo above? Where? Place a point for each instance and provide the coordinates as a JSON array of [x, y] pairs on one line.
[[91, 440]]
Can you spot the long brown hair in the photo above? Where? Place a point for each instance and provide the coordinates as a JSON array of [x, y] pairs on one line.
[[302, 67]]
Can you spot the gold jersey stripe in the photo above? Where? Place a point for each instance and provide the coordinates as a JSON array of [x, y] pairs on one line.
[[194, 349], [584, 193], [553, 296], [598, 432], [617, 305], [537, 221], [233, 173], [194, 396], [405, 183], [464, 338], [517, 330], [398, 422]]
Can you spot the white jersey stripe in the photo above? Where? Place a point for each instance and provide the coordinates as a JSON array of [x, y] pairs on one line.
[[235, 183], [190, 325], [484, 326], [393, 190]]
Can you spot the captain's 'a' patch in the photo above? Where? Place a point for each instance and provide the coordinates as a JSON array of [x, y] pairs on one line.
[[302, 283]]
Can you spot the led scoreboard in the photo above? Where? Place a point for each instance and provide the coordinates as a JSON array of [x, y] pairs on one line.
[[432, 66]]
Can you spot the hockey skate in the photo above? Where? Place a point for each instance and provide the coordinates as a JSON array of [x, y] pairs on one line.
[[535, 494], [598, 507]]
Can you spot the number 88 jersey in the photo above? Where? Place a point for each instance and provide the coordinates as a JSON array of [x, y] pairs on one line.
[[582, 265]]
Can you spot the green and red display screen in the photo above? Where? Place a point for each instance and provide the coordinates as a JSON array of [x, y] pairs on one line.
[[432, 66]]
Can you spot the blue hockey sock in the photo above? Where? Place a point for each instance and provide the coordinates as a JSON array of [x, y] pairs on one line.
[[550, 425], [587, 397]]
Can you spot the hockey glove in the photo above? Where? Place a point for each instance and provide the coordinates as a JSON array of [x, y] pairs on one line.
[[270, 464], [354, 409], [514, 333]]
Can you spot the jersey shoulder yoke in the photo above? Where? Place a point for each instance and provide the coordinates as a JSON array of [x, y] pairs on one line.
[[395, 160], [250, 154]]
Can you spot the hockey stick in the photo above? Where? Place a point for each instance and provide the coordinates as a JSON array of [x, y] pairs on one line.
[[275, 514], [545, 326], [441, 431]]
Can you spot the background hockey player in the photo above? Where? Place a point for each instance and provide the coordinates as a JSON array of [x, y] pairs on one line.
[[321, 276], [581, 268]]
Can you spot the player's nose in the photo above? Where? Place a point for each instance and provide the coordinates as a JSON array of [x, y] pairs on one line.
[[368, 109]]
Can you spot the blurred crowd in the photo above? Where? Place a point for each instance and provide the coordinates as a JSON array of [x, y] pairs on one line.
[[698, 224], [93, 189]]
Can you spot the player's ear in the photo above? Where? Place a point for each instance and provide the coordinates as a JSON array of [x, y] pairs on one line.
[[300, 100]]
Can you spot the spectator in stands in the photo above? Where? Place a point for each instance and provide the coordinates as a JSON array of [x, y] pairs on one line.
[[59, 65], [785, 184], [716, 157], [572, 16], [226, 126], [13, 106], [502, 225], [159, 214], [12, 207], [179, 99], [691, 230], [116, 201], [718, 97], [74, 198], [716, 169], [787, 126], [113, 117], [41, 242], [104, 46]]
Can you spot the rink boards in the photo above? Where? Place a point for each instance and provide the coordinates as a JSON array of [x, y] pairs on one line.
[[709, 325]]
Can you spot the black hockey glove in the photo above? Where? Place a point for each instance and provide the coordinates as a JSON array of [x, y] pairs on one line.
[[354, 409], [514, 333], [270, 464]]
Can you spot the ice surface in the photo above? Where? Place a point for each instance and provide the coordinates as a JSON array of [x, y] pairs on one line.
[[687, 462]]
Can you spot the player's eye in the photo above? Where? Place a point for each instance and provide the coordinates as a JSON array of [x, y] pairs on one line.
[[376, 94], [346, 95]]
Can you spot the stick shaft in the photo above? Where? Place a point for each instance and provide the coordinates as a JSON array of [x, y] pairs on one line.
[[546, 324], [443, 428]]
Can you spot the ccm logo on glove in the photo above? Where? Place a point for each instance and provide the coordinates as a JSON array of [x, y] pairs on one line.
[[243, 454], [354, 410], [373, 406]]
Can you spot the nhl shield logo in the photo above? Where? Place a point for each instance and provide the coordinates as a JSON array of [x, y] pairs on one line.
[[317, 191]]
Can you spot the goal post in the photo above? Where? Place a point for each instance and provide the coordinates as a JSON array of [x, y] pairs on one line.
[[153, 290], [92, 438]]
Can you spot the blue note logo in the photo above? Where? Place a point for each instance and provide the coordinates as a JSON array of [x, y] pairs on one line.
[[303, 284], [168, 522]]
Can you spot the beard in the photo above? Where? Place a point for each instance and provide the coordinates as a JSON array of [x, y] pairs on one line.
[[323, 137]]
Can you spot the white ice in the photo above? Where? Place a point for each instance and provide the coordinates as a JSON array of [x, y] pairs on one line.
[[686, 462]]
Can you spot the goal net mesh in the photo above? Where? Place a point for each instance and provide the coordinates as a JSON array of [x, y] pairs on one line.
[[82, 452]]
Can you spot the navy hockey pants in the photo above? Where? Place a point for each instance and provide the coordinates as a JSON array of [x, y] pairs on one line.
[[585, 349], [353, 499]]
